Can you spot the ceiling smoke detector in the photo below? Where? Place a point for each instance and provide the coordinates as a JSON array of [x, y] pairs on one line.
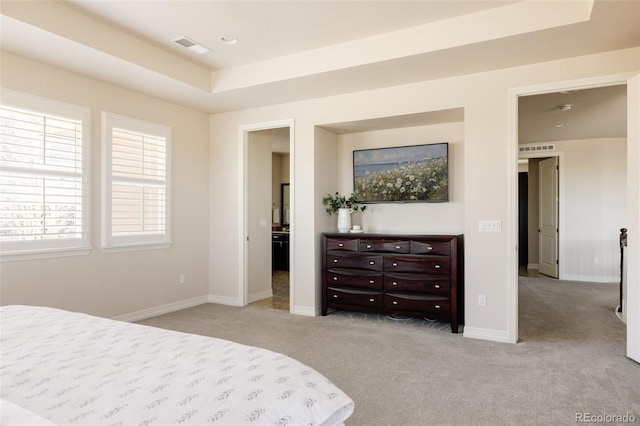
[[191, 45], [228, 39]]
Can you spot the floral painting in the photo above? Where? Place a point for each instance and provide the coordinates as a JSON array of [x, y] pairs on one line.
[[405, 174]]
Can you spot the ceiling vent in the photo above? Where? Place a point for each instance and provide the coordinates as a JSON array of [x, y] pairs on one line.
[[536, 148], [191, 45]]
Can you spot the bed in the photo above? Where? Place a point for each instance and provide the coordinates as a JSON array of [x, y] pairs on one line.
[[66, 368]]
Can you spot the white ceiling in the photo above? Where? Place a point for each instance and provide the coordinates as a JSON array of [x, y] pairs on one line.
[[296, 50], [594, 113], [269, 29]]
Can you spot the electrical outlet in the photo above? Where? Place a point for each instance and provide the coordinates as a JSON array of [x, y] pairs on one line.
[[596, 260], [183, 279], [482, 300]]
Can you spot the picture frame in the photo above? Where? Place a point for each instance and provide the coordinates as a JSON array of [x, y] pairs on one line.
[[412, 173]]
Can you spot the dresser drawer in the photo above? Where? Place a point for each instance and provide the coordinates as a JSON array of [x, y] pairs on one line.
[[440, 248], [346, 245], [370, 280], [417, 304], [339, 296], [385, 246], [369, 262], [416, 284], [418, 264]]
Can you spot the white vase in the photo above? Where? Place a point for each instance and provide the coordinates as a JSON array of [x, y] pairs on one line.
[[344, 220]]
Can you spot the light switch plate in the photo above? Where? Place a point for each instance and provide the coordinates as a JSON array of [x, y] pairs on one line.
[[490, 226]]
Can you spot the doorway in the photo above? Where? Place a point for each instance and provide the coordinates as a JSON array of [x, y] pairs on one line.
[[631, 179], [539, 204], [267, 152]]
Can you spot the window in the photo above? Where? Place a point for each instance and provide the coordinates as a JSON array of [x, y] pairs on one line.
[[44, 185], [136, 176]]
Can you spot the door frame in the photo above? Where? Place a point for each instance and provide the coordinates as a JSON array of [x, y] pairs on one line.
[[561, 204], [512, 183], [243, 206]]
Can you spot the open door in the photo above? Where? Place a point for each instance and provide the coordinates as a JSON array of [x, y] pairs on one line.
[[548, 217], [633, 218]]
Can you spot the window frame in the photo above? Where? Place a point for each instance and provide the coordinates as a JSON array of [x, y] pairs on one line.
[[48, 248], [109, 242]]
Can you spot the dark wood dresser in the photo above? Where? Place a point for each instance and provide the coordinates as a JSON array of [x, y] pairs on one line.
[[411, 275]]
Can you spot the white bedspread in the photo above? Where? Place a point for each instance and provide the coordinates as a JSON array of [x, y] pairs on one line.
[[72, 368]]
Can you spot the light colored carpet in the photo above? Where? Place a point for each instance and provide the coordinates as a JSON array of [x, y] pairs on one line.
[[411, 372]]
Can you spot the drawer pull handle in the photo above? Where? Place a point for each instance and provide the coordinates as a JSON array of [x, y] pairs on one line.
[[368, 246], [394, 264], [397, 247], [437, 266], [437, 306], [335, 278], [371, 262], [340, 245], [335, 260], [395, 283], [395, 303], [372, 300], [335, 296], [372, 282], [437, 286], [429, 248]]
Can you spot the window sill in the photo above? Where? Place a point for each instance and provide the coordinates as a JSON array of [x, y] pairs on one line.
[[44, 254], [135, 247]]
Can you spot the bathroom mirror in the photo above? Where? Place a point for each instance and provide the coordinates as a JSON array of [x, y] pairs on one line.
[[284, 208]]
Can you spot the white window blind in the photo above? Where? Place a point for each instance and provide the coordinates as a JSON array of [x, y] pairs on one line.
[[44, 198], [136, 182]]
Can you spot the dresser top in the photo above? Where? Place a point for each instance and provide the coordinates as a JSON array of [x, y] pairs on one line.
[[361, 235]]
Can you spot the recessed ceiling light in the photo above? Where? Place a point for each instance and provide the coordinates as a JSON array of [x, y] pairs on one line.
[[560, 125], [191, 45], [565, 107], [568, 92], [228, 39]]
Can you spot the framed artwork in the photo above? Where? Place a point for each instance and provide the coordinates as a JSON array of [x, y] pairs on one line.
[[416, 173]]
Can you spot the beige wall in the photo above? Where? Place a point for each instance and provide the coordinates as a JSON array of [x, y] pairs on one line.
[[426, 218], [593, 208], [118, 284], [485, 99]]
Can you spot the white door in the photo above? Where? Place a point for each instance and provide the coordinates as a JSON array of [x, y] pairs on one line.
[[548, 217], [633, 218]]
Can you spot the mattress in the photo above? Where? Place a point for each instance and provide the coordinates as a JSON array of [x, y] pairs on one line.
[[69, 368]]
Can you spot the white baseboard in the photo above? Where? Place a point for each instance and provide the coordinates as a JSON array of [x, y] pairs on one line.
[[590, 278], [163, 309], [260, 295], [533, 266], [224, 300], [486, 334], [304, 311]]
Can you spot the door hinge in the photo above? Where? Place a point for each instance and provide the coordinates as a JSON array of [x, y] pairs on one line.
[[557, 262]]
